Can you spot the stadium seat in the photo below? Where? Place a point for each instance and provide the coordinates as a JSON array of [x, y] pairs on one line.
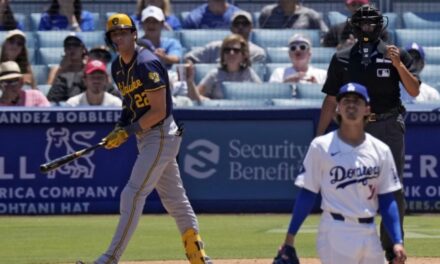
[[44, 88], [432, 55], [309, 91], [323, 65], [427, 37], [200, 37], [30, 39], [431, 76], [413, 20], [35, 21], [201, 69], [41, 73], [48, 56], [248, 90], [256, 17], [31, 55], [236, 103], [270, 67], [48, 39], [22, 18], [297, 103], [279, 37]]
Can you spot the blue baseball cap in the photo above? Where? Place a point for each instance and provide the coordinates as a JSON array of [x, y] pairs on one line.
[[353, 88], [417, 47]]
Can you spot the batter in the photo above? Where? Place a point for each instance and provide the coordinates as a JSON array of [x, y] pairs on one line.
[[147, 113]]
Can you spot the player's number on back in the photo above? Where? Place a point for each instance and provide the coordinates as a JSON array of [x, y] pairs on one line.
[[141, 99]]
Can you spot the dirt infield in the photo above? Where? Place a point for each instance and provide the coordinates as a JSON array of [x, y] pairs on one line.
[[268, 261]]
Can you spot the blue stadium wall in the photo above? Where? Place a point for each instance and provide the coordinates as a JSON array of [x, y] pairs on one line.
[[230, 160]]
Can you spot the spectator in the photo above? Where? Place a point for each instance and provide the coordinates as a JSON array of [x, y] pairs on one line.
[[215, 14], [14, 49], [96, 80], [291, 14], [168, 50], [11, 84], [66, 15], [101, 53], [7, 20], [241, 24], [75, 53], [300, 53], [427, 93], [341, 35], [69, 79], [171, 21], [235, 66]]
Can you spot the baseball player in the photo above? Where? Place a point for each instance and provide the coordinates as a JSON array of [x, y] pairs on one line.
[[147, 113], [356, 176], [381, 68]]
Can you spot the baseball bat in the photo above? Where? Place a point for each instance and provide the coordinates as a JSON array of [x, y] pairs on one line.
[[56, 163]]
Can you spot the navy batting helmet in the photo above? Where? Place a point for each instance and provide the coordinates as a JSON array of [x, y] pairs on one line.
[[370, 16], [118, 21]]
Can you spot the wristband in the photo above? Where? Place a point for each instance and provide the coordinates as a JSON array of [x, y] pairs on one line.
[[133, 128]]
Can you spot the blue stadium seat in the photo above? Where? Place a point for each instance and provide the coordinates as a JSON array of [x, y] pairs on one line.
[[41, 73], [35, 21], [30, 38], [427, 37], [255, 17], [270, 67], [201, 69], [413, 20], [44, 88], [48, 56], [323, 65], [226, 103], [336, 17], [431, 76], [200, 37], [279, 37], [247, 90], [31, 55], [309, 91], [56, 38], [23, 19], [297, 103], [432, 55]]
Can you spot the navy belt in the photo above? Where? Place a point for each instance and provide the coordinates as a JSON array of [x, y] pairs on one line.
[[364, 220]]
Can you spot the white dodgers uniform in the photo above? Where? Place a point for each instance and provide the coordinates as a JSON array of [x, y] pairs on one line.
[[350, 180]]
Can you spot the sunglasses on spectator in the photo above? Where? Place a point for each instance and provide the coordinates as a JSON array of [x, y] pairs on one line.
[[301, 47], [243, 23], [13, 82], [234, 50]]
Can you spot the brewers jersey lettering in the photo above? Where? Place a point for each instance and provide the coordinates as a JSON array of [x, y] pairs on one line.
[[135, 79]]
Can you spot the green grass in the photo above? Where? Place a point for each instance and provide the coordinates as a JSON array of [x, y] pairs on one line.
[[61, 239]]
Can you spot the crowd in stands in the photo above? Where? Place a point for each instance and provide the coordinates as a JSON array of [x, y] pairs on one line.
[[230, 52]]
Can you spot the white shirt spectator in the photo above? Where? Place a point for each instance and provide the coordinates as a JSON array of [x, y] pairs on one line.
[[281, 74], [427, 93]]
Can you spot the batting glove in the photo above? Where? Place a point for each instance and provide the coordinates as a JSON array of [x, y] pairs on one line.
[[115, 138], [286, 255]]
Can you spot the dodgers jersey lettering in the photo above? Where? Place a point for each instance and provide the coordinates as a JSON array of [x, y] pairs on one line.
[[145, 73], [351, 177]]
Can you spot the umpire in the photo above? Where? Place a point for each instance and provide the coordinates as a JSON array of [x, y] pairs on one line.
[[380, 67]]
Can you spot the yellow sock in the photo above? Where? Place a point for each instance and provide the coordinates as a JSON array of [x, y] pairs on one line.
[[194, 247]]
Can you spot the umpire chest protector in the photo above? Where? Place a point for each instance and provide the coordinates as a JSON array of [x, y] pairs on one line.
[[379, 76]]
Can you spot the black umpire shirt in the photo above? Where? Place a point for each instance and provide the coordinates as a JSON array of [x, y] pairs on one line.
[[380, 77]]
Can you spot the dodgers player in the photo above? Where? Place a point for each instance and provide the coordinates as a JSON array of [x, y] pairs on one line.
[[356, 176], [147, 113]]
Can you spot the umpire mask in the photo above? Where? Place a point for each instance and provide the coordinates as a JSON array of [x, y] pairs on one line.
[[367, 24]]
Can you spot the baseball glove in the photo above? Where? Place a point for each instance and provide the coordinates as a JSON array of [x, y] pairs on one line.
[[286, 255]]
